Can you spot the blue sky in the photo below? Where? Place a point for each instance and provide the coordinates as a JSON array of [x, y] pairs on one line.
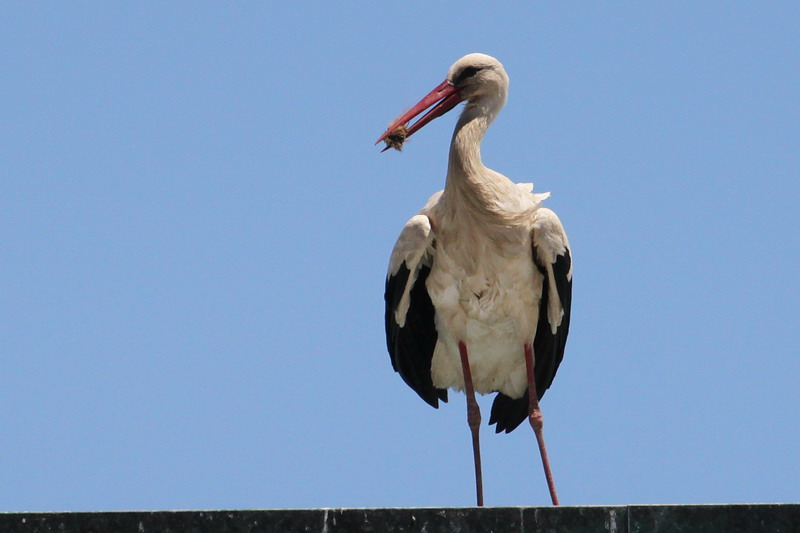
[[195, 226]]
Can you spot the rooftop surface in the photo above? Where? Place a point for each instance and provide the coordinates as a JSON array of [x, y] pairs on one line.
[[736, 518]]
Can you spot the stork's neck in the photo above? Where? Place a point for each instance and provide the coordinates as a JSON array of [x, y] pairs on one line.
[[465, 147], [467, 177]]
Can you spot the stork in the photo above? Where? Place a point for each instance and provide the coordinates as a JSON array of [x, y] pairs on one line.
[[479, 284]]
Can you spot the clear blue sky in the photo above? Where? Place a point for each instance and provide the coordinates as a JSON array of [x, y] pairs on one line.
[[195, 226]]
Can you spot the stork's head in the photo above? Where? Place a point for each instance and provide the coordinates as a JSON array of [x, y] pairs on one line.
[[476, 78]]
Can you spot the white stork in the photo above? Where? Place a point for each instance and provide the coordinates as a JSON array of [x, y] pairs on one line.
[[480, 281]]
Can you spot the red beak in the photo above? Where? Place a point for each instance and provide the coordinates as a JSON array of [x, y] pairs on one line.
[[443, 98]]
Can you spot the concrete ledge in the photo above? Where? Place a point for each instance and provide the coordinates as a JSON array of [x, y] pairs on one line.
[[740, 518]]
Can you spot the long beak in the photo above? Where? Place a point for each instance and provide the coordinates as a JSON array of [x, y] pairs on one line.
[[445, 97]]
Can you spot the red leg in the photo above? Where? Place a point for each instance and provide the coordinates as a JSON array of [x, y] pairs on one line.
[[537, 422], [473, 419]]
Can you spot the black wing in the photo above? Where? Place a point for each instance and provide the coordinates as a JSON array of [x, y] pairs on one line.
[[411, 345], [410, 325]]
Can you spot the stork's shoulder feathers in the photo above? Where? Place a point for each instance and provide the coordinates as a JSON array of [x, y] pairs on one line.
[[412, 244], [549, 239], [415, 243]]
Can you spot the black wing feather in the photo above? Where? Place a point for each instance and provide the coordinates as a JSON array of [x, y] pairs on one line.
[[548, 349], [411, 346]]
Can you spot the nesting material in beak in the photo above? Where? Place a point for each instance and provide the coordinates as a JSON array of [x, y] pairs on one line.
[[396, 138]]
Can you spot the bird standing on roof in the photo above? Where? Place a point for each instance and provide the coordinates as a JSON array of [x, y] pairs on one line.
[[480, 281]]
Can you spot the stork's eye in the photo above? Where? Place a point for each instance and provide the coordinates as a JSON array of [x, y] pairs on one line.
[[465, 74]]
